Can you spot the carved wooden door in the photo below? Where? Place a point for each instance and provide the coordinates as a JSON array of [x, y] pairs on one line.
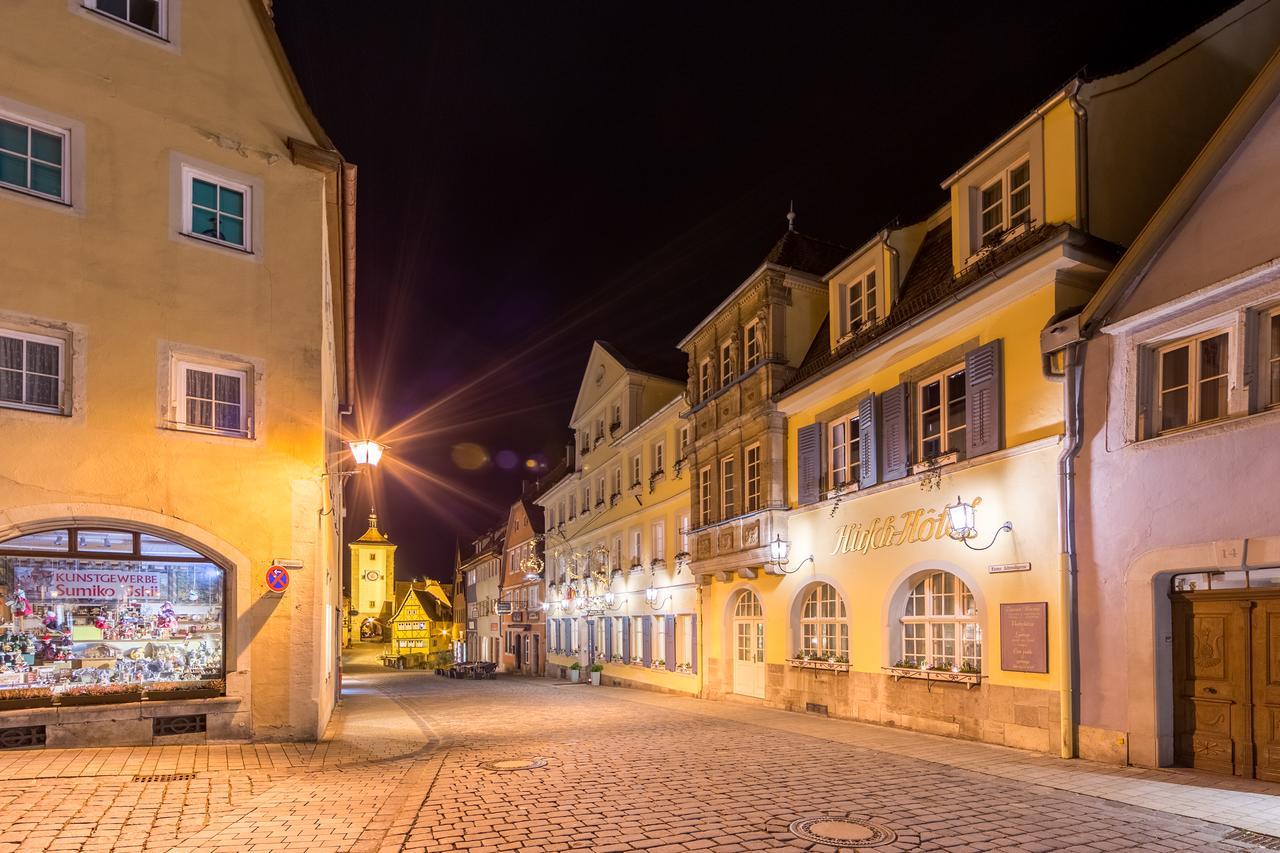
[[1266, 688], [1212, 702]]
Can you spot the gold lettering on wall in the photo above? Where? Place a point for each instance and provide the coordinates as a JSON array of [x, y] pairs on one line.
[[914, 525]]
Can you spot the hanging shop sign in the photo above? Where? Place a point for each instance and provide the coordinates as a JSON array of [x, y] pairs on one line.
[[890, 531], [277, 578], [502, 607]]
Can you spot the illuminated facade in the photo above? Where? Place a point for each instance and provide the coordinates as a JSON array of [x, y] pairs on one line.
[[174, 354], [619, 591], [373, 583], [523, 625]]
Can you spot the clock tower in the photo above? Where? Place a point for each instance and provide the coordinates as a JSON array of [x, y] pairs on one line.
[[373, 578]]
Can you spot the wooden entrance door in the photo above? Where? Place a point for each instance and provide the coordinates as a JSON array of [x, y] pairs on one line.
[[1226, 676]]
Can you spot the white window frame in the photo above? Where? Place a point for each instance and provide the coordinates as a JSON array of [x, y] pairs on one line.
[[162, 33], [868, 301], [946, 428], [684, 440], [844, 446], [659, 536], [704, 378], [923, 597], [1194, 379], [64, 133], [683, 521], [617, 481], [191, 173], [178, 396], [753, 351], [637, 544], [659, 650], [824, 621], [704, 496], [617, 637], [1005, 200], [61, 407], [684, 640], [726, 364], [728, 487], [751, 477], [636, 472], [637, 639]]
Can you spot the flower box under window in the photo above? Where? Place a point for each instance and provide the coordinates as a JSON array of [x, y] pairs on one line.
[[822, 664], [945, 676], [936, 462]]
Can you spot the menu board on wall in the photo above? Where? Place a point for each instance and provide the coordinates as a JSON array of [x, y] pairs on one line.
[[1024, 637]]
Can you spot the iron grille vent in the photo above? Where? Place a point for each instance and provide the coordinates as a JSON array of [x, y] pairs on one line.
[[164, 777], [1267, 842], [20, 737], [188, 724], [815, 708]]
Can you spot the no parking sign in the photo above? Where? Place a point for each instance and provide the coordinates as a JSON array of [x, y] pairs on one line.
[[277, 578]]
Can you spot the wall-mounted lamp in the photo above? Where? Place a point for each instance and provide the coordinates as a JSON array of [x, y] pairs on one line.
[[962, 518], [651, 598], [780, 554], [366, 451]]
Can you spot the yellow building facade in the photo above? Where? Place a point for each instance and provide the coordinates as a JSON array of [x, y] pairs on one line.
[[373, 584], [619, 590], [179, 240], [422, 624]]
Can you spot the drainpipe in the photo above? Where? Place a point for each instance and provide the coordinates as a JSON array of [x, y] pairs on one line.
[[1063, 358]]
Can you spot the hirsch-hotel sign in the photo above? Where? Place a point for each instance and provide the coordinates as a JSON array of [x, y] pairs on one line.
[[890, 531]]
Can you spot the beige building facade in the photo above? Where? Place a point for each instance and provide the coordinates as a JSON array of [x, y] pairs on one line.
[[175, 323]]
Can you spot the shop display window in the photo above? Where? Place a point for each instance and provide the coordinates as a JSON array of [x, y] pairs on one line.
[[91, 615]]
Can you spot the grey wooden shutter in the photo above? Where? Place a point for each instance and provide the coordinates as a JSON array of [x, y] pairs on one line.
[[626, 639], [693, 642], [591, 640], [646, 640], [809, 463], [982, 405], [671, 643], [868, 442], [893, 423], [608, 638]]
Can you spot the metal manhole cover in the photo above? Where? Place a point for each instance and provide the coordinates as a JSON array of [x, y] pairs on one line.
[[506, 765], [843, 832]]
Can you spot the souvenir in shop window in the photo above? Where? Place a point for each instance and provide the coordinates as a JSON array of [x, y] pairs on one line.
[[90, 625]]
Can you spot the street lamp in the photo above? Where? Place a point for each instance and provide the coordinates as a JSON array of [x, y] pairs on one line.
[[962, 518], [366, 451]]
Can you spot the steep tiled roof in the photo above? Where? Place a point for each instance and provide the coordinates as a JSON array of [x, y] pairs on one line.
[[807, 254], [929, 282]]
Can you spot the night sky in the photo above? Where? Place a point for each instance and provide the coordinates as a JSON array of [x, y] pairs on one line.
[[536, 175]]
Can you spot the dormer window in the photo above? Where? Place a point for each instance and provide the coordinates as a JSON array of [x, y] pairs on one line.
[[726, 363], [1006, 202], [861, 303]]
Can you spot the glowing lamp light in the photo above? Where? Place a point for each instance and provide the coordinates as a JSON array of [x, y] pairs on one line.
[[651, 595], [779, 550], [366, 451], [963, 520]]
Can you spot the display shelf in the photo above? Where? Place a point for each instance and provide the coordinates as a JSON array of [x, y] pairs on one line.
[[151, 640]]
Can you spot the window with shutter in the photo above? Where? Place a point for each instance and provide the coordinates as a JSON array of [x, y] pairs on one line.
[[626, 639], [693, 643], [608, 637], [669, 655], [982, 399], [893, 422], [646, 644], [809, 463], [868, 442]]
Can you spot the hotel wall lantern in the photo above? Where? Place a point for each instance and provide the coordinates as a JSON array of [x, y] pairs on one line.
[[962, 523], [780, 555], [652, 598]]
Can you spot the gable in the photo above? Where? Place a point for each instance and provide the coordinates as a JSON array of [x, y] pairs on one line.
[[1233, 225], [602, 372]]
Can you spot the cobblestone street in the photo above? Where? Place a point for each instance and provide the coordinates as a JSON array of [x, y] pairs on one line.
[[403, 769]]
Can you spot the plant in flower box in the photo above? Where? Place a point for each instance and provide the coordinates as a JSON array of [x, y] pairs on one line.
[[205, 689], [25, 697], [95, 694]]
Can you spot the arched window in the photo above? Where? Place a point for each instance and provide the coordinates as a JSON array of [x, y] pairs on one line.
[[93, 612], [940, 625], [748, 606], [824, 626]]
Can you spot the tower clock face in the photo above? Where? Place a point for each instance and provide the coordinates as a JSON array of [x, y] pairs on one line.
[[371, 575]]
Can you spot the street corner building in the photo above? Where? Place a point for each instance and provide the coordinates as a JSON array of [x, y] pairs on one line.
[[884, 440], [175, 349]]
